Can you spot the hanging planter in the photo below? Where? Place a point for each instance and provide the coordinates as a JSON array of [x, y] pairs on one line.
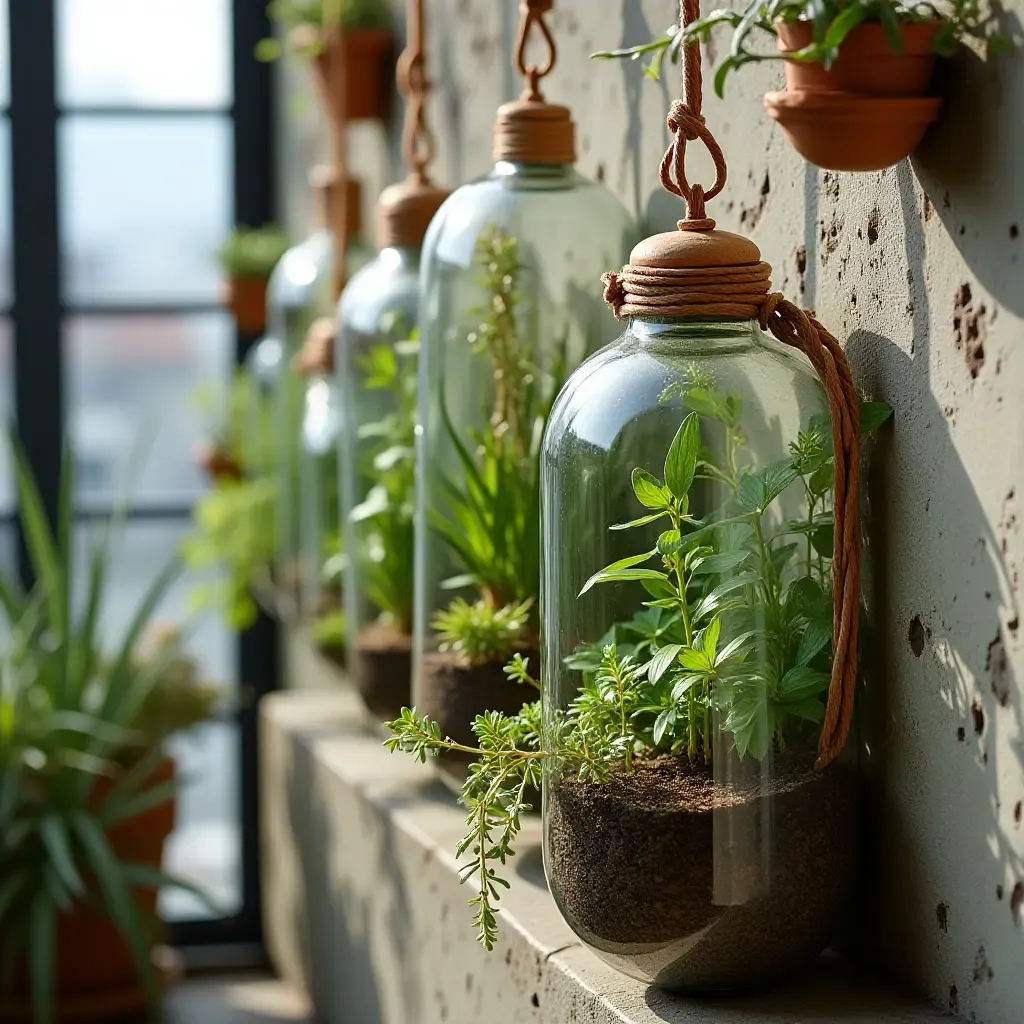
[[507, 309], [349, 45], [701, 544], [248, 258], [378, 356], [858, 74]]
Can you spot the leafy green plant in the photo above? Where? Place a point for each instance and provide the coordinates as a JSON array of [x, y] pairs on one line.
[[833, 21], [737, 624], [234, 538], [385, 520], [492, 516], [314, 16], [72, 716], [329, 630], [479, 632], [253, 252], [241, 422]]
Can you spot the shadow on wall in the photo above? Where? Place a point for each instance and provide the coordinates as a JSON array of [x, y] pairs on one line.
[[930, 660], [975, 152]]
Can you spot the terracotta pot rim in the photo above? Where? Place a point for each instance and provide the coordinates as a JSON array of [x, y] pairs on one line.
[[248, 278], [845, 106], [366, 37], [868, 38]]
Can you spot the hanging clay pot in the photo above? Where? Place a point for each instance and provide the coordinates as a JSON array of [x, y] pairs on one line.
[[246, 297], [218, 463], [354, 71], [866, 112]]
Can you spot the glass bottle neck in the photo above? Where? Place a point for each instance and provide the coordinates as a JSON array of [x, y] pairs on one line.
[[535, 175], [684, 333]]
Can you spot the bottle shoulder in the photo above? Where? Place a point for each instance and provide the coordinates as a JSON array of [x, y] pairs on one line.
[[382, 288]]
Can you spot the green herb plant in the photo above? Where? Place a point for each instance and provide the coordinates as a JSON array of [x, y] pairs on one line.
[[253, 252], [491, 518], [316, 17], [737, 623], [72, 715], [384, 522], [833, 21]]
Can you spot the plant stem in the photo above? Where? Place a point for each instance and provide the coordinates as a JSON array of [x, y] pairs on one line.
[[677, 524]]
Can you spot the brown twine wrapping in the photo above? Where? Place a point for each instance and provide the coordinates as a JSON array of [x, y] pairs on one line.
[[740, 288], [531, 130]]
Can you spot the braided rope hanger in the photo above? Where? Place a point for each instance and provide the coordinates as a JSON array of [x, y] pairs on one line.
[[418, 144], [533, 16], [743, 290]]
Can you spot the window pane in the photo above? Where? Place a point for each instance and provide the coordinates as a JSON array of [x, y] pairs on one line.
[[155, 53], [6, 264], [133, 380], [146, 204], [7, 502], [206, 845]]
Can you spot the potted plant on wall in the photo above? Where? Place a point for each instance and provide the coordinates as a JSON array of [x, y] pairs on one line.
[[88, 785], [352, 67], [248, 257], [858, 72], [686, 680]]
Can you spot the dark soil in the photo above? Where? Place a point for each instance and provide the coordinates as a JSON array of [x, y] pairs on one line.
[[453, 693], [382, 670], [695, 885]]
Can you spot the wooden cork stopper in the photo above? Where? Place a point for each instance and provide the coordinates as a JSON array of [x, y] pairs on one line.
[[325, 180], [677, 250], [405, 211], [534, 132]]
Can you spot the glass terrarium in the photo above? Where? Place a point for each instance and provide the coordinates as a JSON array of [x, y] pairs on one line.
[[377, 359], [687, 547], [320, 563], [510, 304], [263, 369], [301, 291]]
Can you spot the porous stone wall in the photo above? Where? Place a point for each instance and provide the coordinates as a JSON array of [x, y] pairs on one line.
[[918, 271]]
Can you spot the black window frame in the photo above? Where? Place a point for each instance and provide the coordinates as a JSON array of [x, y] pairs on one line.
[[38, 314]]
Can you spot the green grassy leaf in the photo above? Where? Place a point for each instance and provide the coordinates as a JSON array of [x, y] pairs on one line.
[[54, 833], [642, 521], [649, 491], [801, 683], [758, 490], [614, 571], [715, 565], [663, 660], [681, 461]]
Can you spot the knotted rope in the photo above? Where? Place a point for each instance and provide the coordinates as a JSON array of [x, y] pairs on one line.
[[418, 145], [533, 16], [744, 291]]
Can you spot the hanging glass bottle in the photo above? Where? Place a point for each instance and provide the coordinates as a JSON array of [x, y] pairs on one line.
[[320, 562], [377, 362], [700, 619], [301, 290], [263, 367], [509, 306]]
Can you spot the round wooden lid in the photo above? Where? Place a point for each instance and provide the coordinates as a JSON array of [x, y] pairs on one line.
[[682, 249], [405, 211]]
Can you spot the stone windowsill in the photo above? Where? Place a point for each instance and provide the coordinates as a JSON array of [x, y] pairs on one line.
[[364, 907]]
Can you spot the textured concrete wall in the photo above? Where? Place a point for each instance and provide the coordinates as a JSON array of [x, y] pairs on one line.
[[918, 270]]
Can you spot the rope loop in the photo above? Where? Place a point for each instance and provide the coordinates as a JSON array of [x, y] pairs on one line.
[[532, 14], [687, 126], [419, 146]]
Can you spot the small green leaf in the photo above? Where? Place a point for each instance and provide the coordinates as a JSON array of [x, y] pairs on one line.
[[817, 634], [624, 576], [681, 461], [800, 683], [649, 492], [683, 684], [823, 541], [662, 661], [757, 491], [610, 572], [714, 600], [669, 542], [696, 661], [642, 521], [709, 639], [873, 415], [734, 647], [714, 565], [663, 723]]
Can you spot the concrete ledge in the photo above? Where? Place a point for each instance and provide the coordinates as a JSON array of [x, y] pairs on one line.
[[364, 907]]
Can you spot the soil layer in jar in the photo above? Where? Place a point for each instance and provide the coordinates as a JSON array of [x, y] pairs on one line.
[[383, 670], [452, 692], [696, 885]]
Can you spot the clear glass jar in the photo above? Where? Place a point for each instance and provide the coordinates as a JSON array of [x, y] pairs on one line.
[[263, 368], [300, 291], [510, 304], [321, 562], [377, 358], [687, 540]]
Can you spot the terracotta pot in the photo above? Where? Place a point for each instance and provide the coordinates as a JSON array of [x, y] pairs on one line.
[[847, 132], [246, 297], [218, 463], [96, 976], [866, 63], [354, 73]]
